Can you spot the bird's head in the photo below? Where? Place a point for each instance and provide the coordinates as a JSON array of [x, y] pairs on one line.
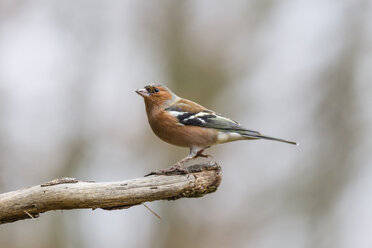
[[156, 94]]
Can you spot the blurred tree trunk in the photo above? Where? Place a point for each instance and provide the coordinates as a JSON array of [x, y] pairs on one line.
[[194, 74], [86, 28], [337, 129]]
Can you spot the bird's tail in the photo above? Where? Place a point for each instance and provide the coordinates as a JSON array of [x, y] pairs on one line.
[[254, 135]]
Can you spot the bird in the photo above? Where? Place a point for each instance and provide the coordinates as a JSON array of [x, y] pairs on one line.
[[184, 123]]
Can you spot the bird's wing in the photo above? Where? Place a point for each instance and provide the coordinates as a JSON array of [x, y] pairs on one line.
[[202, 117], [187, 106]]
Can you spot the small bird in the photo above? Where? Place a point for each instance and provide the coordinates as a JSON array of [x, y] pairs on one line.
[[182, 122]]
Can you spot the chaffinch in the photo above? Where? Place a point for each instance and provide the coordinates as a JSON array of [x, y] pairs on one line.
[[185, 123]]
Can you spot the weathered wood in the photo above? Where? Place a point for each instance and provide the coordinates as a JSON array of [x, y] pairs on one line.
[[69, 193]]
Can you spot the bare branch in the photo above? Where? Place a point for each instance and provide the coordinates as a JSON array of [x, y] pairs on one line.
[[69, 193]]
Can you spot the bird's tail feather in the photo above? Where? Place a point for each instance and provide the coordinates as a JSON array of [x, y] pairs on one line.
[[260, 136]]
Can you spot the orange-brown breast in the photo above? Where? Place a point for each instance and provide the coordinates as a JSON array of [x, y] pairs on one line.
[[187, 136]]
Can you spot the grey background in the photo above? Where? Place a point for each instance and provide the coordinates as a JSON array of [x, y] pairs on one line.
[[299, 70]]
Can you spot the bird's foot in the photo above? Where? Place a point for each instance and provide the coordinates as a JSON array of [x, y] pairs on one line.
[[200, 154], [176, 169]]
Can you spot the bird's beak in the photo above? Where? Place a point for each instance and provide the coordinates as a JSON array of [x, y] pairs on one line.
[[142, 92]]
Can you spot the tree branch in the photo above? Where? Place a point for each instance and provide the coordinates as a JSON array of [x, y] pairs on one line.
[[69, 193]]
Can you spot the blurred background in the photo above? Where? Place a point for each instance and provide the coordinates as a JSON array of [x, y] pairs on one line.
[[294, 69]]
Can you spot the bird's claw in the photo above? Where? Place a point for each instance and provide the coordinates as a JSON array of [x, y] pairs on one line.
[[176, 169], [200, 154], [204, 156]]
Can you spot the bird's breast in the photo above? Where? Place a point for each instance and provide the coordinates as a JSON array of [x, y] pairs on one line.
[[168, 128]]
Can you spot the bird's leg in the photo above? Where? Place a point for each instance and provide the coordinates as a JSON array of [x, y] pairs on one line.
[[200, 153], [193, 154], [177, 167]]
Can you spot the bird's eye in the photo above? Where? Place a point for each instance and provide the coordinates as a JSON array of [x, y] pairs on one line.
[[156, 90]]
